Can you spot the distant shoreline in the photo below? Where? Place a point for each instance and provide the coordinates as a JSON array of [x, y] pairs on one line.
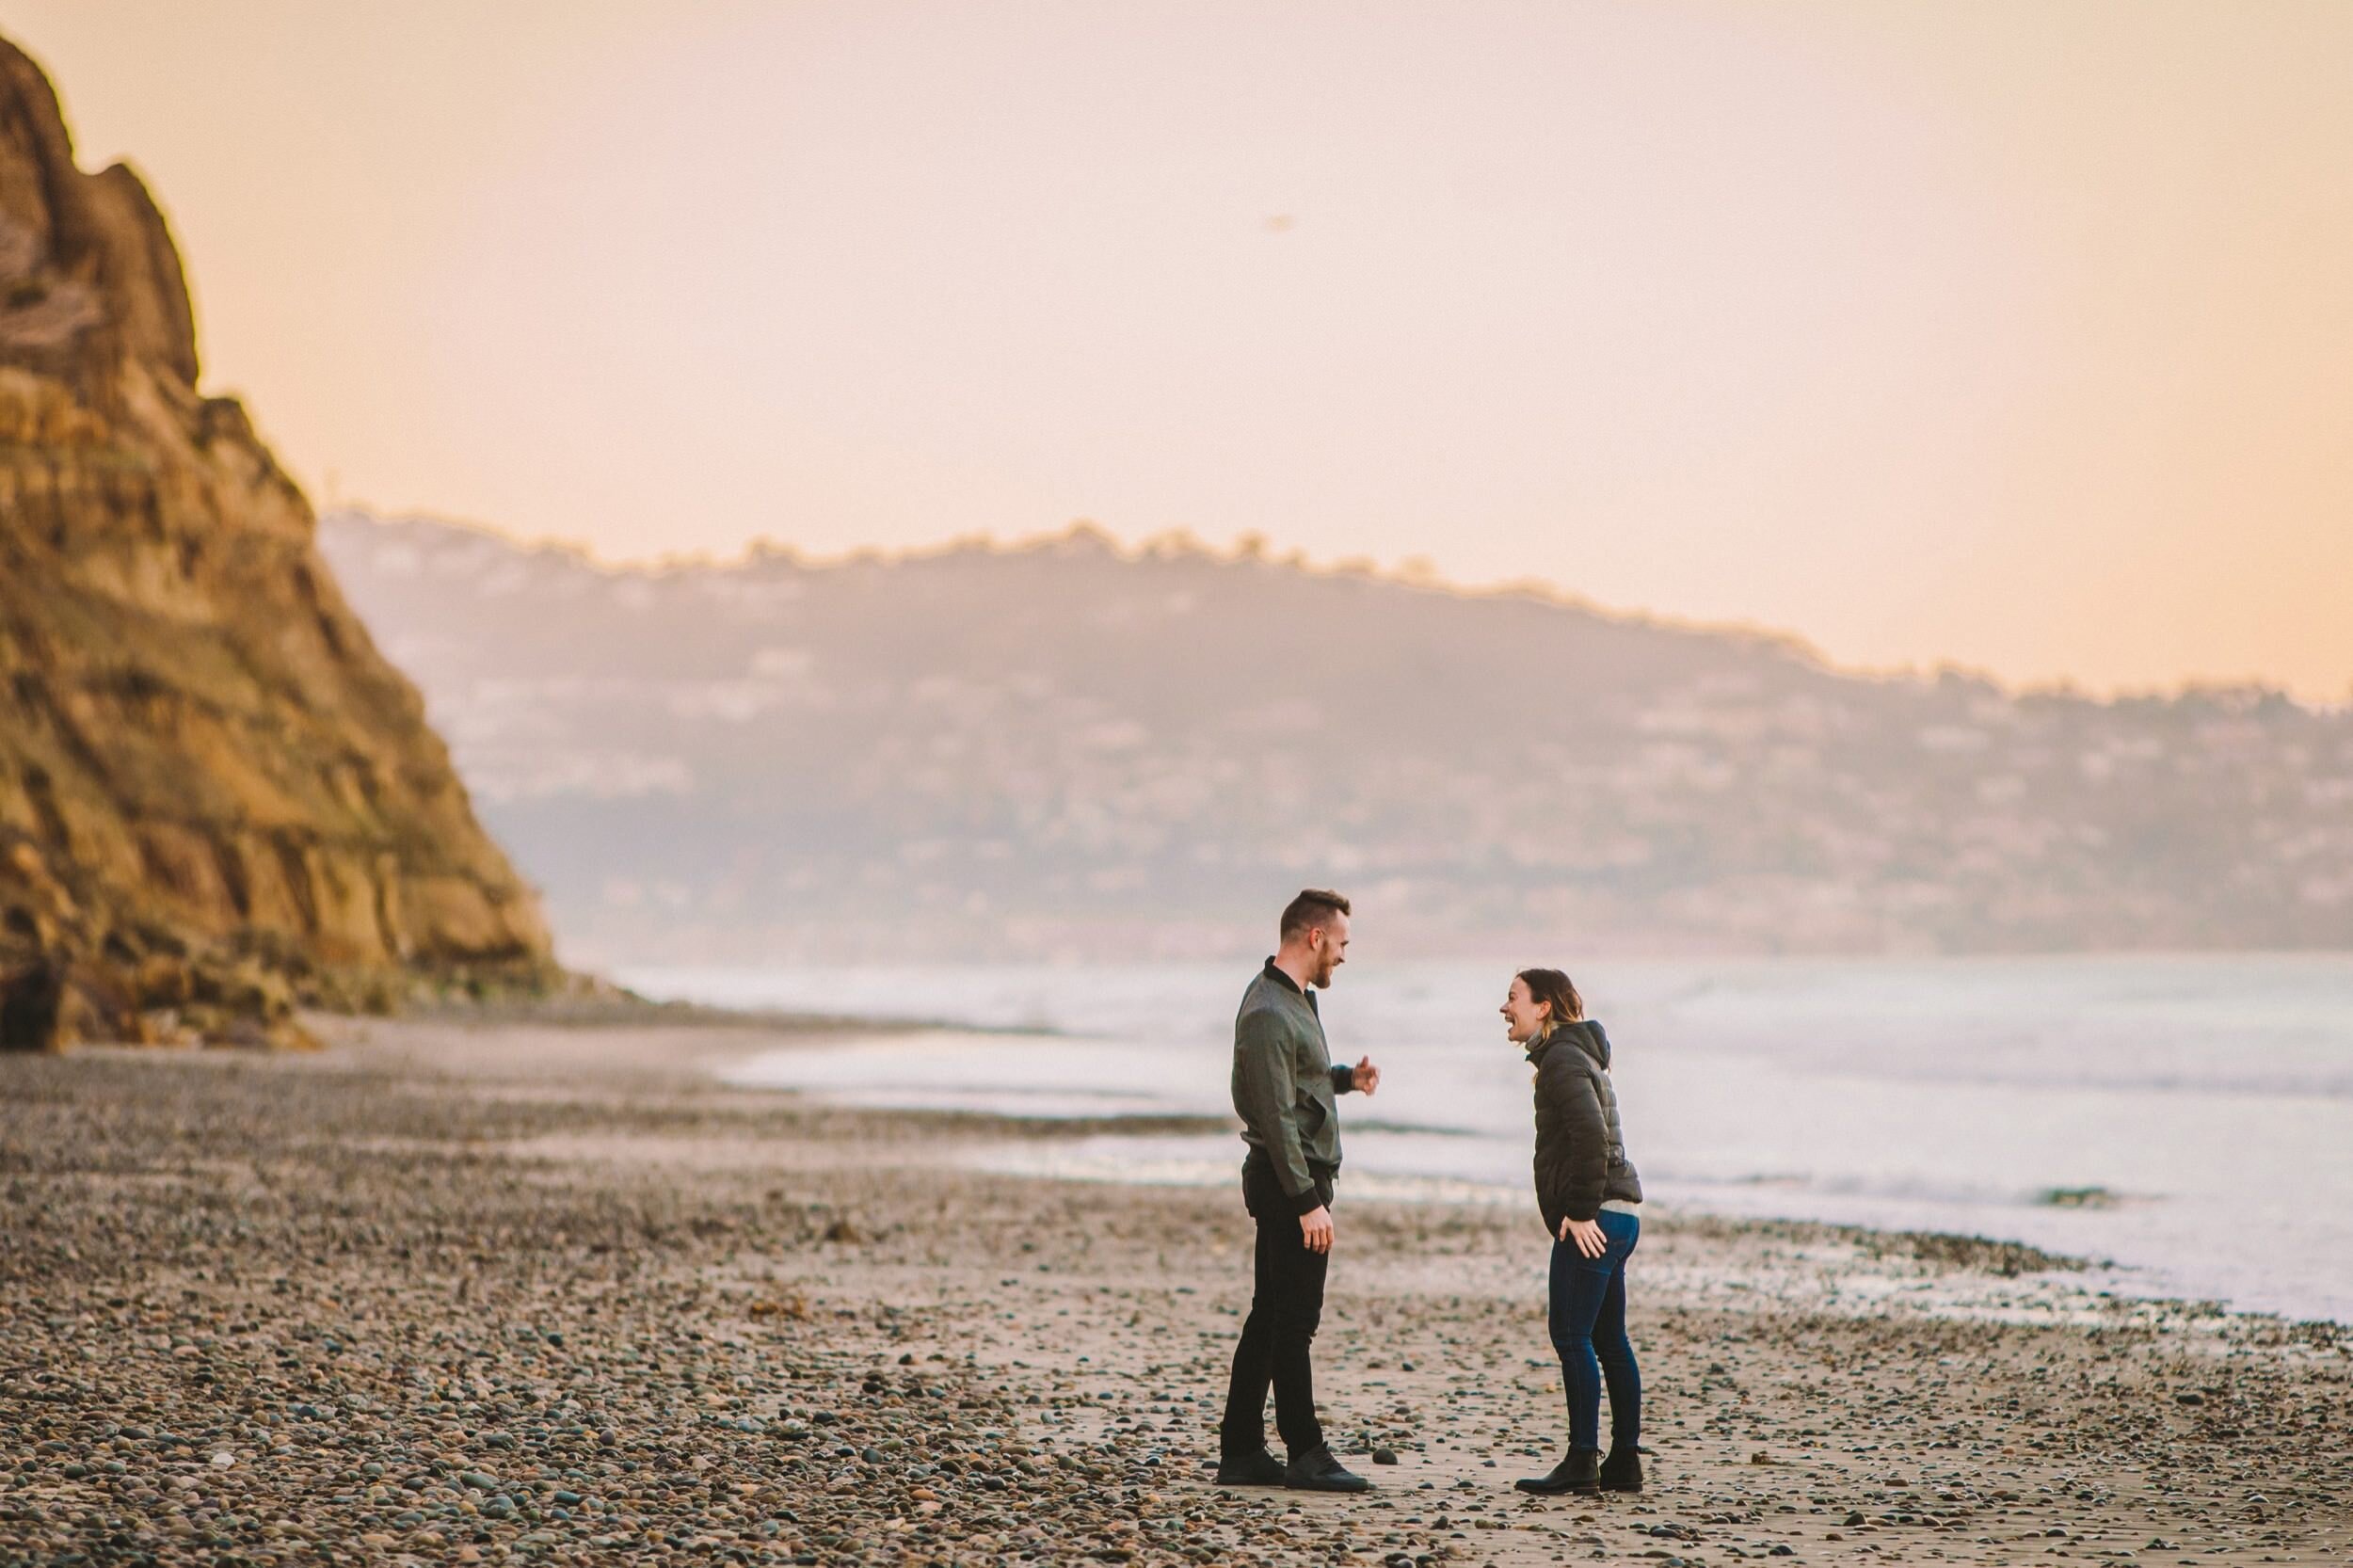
[[2007, 1257], [619, 1007]]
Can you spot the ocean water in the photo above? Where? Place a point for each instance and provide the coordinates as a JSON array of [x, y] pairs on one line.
[[2186, 1119]]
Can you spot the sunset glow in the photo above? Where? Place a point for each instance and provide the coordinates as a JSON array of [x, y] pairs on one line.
[[2013, 335]]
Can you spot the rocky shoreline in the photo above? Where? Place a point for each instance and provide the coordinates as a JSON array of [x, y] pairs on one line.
[[524, 1293]]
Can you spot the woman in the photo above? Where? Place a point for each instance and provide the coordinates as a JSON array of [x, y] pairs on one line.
[[1589, 1194]]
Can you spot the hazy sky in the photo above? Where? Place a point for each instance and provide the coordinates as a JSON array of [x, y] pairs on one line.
[[2017, 335]]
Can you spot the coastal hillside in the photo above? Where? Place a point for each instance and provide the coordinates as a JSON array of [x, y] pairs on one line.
[[1065, 749], [216, 797]]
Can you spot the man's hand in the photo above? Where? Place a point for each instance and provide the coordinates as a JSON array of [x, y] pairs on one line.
[[1315, 1228], [1366, 1076], [1587, 1235]]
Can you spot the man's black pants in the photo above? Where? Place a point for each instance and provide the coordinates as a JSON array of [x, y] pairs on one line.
[[1286, 1304]]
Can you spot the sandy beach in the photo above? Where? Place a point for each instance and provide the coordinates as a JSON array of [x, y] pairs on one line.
[[454, 1293]]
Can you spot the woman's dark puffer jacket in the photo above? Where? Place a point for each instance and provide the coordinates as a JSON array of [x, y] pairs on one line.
[[1580, 1151]]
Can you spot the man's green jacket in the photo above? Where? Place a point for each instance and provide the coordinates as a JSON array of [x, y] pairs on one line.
[[1283, 1084]]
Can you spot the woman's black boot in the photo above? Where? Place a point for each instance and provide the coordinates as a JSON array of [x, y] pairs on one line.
[[1580, 1473], [1622, 1470]]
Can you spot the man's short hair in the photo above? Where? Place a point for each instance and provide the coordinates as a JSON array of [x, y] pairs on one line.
[[1313, 907]]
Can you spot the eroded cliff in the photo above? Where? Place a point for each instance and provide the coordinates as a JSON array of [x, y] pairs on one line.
[[216, 796]]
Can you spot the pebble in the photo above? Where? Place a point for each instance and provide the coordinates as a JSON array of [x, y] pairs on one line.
[[387, 1305]]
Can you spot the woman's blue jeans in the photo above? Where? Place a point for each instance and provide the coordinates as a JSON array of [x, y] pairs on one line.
[[1589, 1332]]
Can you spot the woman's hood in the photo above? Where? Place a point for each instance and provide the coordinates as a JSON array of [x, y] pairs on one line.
[[1586, 1035]]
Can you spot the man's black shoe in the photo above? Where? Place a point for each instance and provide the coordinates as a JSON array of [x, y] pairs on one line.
[[1318, 1471], [1622, 1470], [1259, 1469], [1578, 1473]]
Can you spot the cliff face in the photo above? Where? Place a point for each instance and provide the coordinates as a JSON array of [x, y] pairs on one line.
[[216, 796]]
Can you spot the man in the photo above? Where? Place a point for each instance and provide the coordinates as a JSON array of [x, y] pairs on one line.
[[1283, 1084]]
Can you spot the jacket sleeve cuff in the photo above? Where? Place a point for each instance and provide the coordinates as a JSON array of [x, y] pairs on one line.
[[1343, 1078], [1308, 1202]]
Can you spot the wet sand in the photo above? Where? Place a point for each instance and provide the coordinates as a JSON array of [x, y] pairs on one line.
[[444, 1293]]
